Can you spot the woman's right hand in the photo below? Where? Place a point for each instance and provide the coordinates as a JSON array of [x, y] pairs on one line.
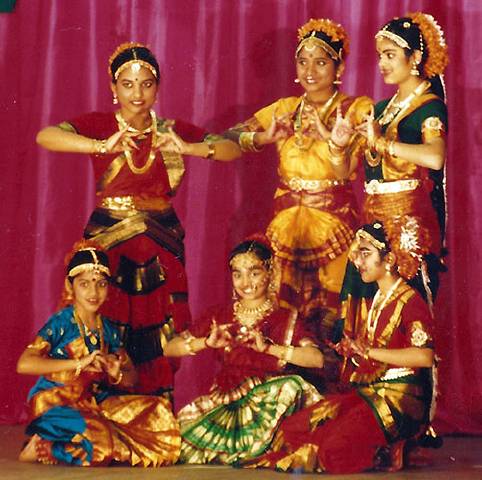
[[219, 336], [280, 128], [92, 362], [120, 141]]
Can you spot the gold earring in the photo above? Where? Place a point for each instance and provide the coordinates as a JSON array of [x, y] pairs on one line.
[[115, 101], [414, 71], [297, 80], [337, 80]]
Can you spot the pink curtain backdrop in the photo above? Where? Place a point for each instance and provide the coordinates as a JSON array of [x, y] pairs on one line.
[[221, 60]]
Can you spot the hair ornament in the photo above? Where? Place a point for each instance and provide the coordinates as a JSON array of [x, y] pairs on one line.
[[433, 36], [331, 33], [136, 63]]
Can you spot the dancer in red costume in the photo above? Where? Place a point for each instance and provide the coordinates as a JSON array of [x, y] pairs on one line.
[[134, 219]]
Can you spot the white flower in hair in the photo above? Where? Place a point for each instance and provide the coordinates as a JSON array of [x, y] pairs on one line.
[[440, 32], [408, 236]]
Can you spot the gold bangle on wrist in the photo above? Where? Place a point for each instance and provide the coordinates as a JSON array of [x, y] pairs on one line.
[[391, 149], [78, 368], [211, 150], [100, 147], [335, 149], [381, 146], [287, 354], [246, 142], [187, 343], [372, 159]]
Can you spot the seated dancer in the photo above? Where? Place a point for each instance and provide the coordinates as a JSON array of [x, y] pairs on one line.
[[134, 219], [254, 340], [80, 410], [388, 355]]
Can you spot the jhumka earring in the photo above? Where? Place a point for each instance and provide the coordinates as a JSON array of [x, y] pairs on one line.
[[114, 99], [414, 71], [296, 80]]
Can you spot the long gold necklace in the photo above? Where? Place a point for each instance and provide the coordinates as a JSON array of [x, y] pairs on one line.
[[376, 310], [152, 152], [86, 332], [298, 122], [394, 108]]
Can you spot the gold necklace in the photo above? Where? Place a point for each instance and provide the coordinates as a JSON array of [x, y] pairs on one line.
[[152, 152], [298, 122], [394, 109], [250, 316], [86, 332], [376, 310]]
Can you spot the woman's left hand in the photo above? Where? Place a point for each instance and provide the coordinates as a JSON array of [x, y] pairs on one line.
[[342, 130], [316, 128], [370, 129], [256, 340], [171, 142], [111, 365]]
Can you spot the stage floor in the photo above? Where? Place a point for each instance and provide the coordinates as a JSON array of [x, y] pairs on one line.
[[459, 459]]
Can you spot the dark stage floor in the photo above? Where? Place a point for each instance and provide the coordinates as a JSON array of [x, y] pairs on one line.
[[459, 458]]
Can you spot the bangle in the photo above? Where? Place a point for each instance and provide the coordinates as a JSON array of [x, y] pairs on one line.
[[211, 150], [119, 379], [100, 147], [381, 146], [187, 344], [246, 142], [287, 354], [335, 149], [391, 149], [372, 159], [78, 368]]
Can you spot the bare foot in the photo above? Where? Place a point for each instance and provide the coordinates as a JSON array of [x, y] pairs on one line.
[[29, 452]]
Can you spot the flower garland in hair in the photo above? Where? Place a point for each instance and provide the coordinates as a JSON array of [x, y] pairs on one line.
[[334, 30], [437, 50]]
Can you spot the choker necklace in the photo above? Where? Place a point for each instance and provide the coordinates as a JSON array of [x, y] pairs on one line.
[[377, 308], [298, 122], [393, 108], [250, 316], [152, 152], [86, 332]]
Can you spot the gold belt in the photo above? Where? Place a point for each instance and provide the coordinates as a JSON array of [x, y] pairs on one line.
[[394, 373], [375, 187], [119, 203], [128, 203], [298, 184]]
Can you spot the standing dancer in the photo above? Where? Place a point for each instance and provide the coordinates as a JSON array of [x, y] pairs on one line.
[[134, 219]]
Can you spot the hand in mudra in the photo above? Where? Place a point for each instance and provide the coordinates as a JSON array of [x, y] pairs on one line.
[[171, 142], [280, 128], [256, 340], [120, 141], [219, 336], [342, 129], [370, 129], [312, 125]]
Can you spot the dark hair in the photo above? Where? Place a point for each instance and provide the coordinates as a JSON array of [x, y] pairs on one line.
[[406, 28], [89, 256], [261, 250], [377, 231], [337, 45], [134, 53]]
